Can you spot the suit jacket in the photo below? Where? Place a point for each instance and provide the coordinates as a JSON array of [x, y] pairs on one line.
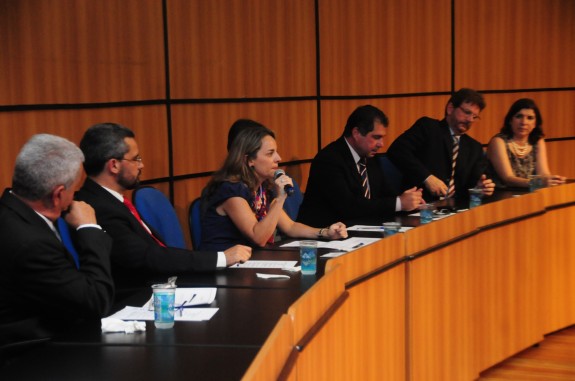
[[136, 256], [427, 147], [41, 290], [334, 192]]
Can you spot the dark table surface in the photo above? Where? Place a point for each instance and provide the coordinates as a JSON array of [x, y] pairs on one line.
[[77, 362], [246, 277], [245, 318]]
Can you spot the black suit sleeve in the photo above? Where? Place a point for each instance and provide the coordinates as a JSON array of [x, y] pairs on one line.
[[136, 256], [406, 152], [50, 283], [135, 249]]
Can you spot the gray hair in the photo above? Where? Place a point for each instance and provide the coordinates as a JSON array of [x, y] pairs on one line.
[[45, 162]]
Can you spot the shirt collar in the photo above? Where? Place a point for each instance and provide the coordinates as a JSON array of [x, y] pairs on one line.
[[355, 155], [48, 221], [118, 195]]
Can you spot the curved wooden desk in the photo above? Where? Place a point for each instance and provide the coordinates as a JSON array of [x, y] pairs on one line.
[[447, 300]]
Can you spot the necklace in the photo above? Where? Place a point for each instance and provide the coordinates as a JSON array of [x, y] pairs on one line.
[[520, 150]]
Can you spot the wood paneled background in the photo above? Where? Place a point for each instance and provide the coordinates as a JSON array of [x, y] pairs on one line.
[[179, 72]]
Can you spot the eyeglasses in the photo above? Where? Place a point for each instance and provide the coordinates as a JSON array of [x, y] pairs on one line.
[[469, 113], [137, 159]]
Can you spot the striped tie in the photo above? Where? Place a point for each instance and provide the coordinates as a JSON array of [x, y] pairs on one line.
[[363, 174], [451, 189]]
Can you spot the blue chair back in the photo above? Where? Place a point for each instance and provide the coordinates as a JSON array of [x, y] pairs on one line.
[[195, 222], [157, 212], [391, 173], [64, 231], [293, 202]]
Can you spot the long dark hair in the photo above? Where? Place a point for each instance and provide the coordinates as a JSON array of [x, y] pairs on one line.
[[520, 104], [235, 168]]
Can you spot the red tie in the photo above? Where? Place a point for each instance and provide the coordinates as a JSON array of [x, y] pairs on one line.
[[137, 215]]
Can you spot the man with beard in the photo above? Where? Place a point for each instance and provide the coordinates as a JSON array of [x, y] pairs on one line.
[[345, 181], [113, 165], [439, 156]]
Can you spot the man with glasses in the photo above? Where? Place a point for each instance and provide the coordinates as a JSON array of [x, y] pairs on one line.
[[439, 156], [113, 165]]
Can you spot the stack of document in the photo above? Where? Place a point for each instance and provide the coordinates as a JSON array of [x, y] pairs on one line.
[[185, 298], [376, 228], [345, 245]]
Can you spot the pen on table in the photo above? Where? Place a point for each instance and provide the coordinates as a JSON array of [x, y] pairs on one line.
[[371, 228], [183, 305], [358, 245], [181, 308]]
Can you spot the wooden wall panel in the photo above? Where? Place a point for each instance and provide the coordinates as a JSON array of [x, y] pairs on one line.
[[237, 49], [149, 124], [373, 317], [557, 282], [200, 131], [384, 47], [507, 264], [474, 303], [365, 339], [561, 156], [441, 336], [79, 51], [401, 112], [309, 309], [274, 354], [556, 110], [186, 191], [514, 44]]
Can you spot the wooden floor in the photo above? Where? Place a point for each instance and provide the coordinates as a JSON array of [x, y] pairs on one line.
[[553, 359]]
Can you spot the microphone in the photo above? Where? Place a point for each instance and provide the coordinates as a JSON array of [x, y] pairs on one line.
[[287, 188]]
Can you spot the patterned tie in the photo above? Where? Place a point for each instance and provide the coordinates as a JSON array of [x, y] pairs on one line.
[[363, 173], [451, 189], [135, 213]]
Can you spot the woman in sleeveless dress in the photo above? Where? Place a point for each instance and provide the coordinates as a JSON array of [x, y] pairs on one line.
[[519, 149]]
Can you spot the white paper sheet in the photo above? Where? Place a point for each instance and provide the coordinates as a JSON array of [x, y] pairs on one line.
[[184, 314], [189, 297], [345, 245], [375, 228], [265, 264], [272, 276]]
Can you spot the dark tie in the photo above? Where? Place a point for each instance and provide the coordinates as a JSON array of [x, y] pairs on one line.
[[63, 233], [451, 188], [363, 174], [135, 213]]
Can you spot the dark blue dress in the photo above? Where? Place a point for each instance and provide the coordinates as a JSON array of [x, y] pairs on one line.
[[219, 232]]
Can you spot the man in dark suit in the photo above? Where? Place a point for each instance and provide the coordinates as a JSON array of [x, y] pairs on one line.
[[41, 289], [424, 152], [336, 189], [113, 165]]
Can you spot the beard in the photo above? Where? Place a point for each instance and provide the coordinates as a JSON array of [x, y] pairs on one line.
[[128, 183]]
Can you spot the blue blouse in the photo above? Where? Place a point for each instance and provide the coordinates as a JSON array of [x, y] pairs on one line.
[[219, 232]]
